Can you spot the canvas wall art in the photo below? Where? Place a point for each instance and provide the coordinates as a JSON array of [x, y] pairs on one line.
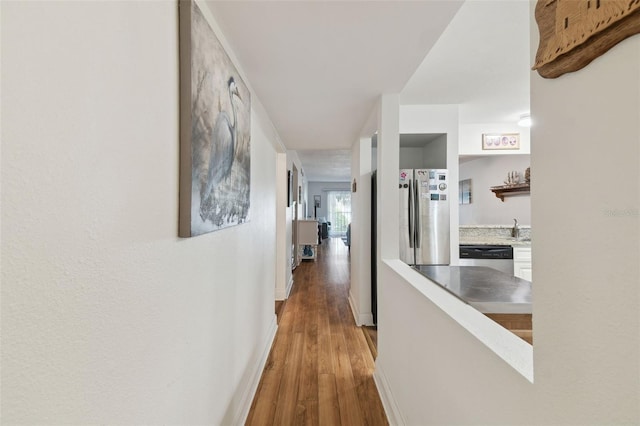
[[215, 131]]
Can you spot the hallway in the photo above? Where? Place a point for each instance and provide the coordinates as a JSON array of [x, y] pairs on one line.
[[320, 369]]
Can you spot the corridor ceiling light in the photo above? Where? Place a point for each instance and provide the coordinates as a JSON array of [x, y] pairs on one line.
[[525, 120]]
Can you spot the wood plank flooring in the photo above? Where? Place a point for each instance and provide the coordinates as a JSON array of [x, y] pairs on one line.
[[320, 369]]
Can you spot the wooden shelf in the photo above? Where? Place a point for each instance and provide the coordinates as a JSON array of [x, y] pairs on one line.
[[314, 249], [509, 190]]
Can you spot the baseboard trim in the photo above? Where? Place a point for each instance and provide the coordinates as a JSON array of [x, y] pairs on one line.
[[389, 404], [359, 318], [289, 287], [283, 293], [252, 386]]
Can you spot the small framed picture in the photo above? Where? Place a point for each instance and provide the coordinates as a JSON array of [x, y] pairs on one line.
[[316, 201], [464, 191], [493, 141], [289, 188]]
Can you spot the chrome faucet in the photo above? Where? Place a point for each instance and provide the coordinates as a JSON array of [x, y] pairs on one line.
[[515, 231]]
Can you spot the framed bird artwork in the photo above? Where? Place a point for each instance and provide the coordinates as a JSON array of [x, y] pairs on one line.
[[215, 131]]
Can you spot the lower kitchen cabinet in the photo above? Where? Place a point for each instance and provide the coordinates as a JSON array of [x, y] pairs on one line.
[[522, 263]]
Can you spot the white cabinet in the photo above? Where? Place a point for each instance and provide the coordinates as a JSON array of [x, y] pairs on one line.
[[522, 263], [523, 270], [307, 238]]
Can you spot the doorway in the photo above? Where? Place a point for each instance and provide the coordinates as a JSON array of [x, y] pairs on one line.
[[339, 212]]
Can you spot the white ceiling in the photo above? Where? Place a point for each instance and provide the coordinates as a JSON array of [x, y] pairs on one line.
[[328, 165], [319, 67], [481, 62]]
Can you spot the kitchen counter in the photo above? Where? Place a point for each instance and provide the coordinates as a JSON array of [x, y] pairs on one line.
[[494, 235], [495, 241], [486, 289]]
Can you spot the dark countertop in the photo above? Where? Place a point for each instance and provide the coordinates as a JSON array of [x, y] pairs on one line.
[[486, 289]]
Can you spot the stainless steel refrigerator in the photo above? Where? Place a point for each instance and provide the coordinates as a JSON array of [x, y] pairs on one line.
[[424, 216]]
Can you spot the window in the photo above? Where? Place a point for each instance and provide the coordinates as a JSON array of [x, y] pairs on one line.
[[339, 208]]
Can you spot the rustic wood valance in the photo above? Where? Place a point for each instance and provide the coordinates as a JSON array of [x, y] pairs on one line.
[[575, 32]]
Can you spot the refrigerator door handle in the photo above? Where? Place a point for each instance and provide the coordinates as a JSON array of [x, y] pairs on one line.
[[410, 213], [416, 214]]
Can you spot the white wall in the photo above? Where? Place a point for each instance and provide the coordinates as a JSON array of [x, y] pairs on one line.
[[300, 183], [321, 189], [283, 230], [363, 163], [411, 158], [485, 207], [435, 153], [360, 249], [432, 155], [295, 211], [387, 155], [586, 327], [107, 316]]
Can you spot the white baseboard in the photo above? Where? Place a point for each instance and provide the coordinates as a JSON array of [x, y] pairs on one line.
[[365, 318], [389, 404], [249, 390], [289, 286], [283, 293]]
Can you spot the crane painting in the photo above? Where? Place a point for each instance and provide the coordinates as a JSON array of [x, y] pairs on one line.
[[215, 114]]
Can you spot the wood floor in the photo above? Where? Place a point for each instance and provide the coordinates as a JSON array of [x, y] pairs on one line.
[[320, 369]]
